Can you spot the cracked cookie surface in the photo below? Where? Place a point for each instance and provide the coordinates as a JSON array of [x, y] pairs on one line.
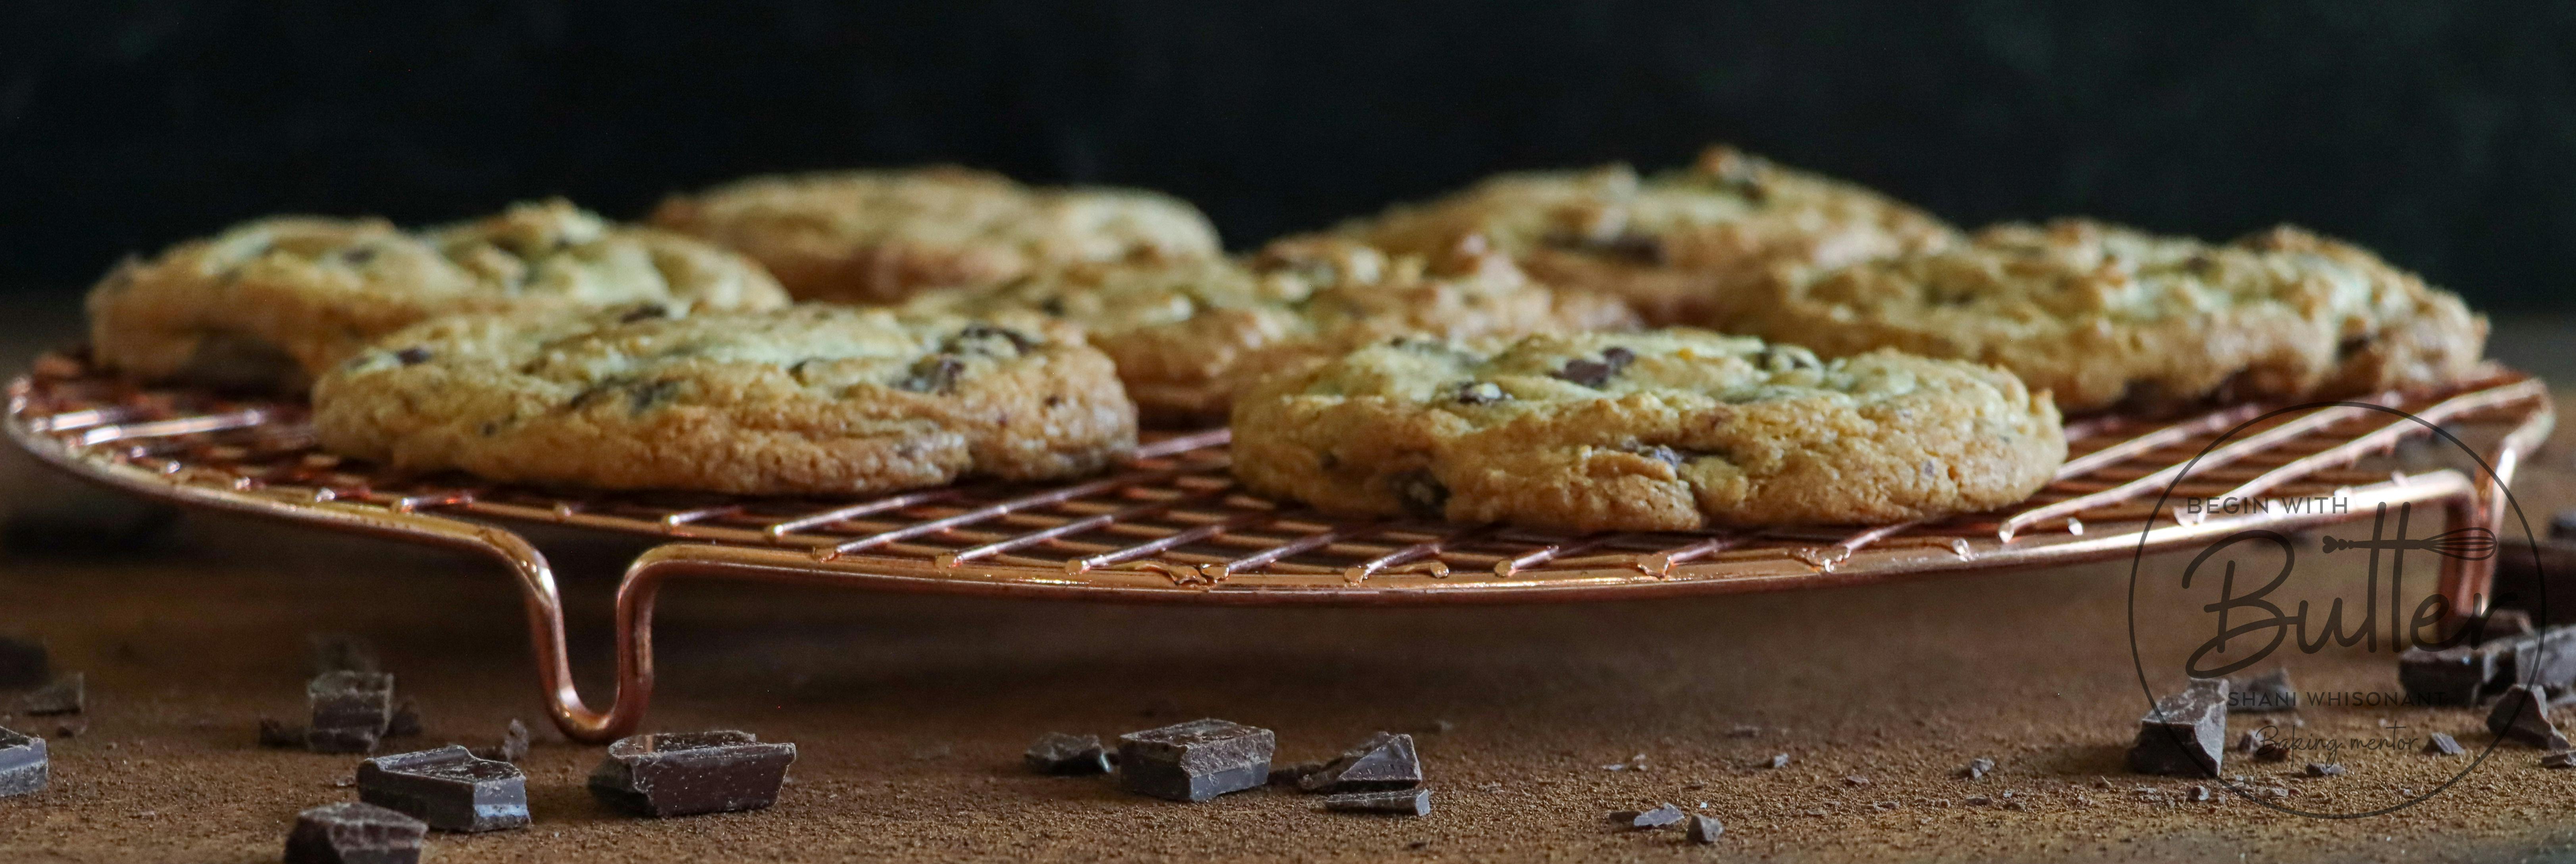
[[1678, 245], [881, 236], [1662, 430], [2109, 317], [1188, 336], [272, 303], [805, 400]]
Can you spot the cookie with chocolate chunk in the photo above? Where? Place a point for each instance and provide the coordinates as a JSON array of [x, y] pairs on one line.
[[2109, 317], [1662, 430], [1678, 245], [805, 400], [1187, 336], [882, 236], [271, 304]]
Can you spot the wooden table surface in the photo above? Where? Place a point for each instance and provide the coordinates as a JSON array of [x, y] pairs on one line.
[[911, 711]]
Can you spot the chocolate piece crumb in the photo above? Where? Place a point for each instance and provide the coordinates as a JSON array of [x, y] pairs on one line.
[[1398, 802], [1978, 768], [2522, 715], [448, 788], [682, 774], [1066, 755], [513, 746], [1195, 761], [2560, 759], [352, 832], [1384, 761], [24, 766], [2272, 751], [2441, 744], [1664, 816], [1777, 760], [2324, 769], [1703, 829], [66, 695]]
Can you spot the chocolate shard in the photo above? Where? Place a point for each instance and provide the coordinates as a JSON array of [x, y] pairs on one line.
[[1978, 768], [274, 733], [2325, 769], [1384, 761], [23, 764], [1703, 829], [447, 788], [2249, 742], [352, 832], [2440, 744], [350, 711], [1067, 755], [2522, 715], [2265, 693], [67, 695], [1777, 760], [341, 652], [513, 746], [2468, 675], [1664, 816], [2272, 751], [2184, 735], [2560, 759], [24, 663], [406, 720], [1195, 761], [687, 773], [1399, 802]]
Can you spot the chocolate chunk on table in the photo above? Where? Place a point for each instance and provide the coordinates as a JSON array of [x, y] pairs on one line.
[[23, 765], [513, 746], [2325, 769], [2257, 694], [66, 695], [687, 773], [1646, 820], [2440, 744], [2184, 735], [1978, 768], [353, 832], [1384, 761], [1195, 761], [350, 711], [1067, 755], [1703, 829], [1399, 802], [24, 663], [2522, 715], [448, 788], [2561, 760]]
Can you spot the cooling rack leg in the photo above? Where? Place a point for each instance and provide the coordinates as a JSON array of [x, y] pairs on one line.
[[2469, 582]]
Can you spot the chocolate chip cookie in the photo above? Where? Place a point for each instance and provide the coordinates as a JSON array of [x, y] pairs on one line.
[[1661, 430], [1677, 245], [882, 236], [270, 304], [2109, 317], [1187, 336], [818, 400]]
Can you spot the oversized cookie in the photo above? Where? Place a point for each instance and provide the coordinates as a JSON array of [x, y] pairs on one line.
[[882, 236], [270, 304], [805, 400], [1187, 336], [1678, 245], [1663, 430], [2104, 316]]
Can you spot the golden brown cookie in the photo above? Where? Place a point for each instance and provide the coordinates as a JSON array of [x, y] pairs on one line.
[[271, 304], [806, 400], [1662, 430], [882, 236], [1188, 335], [2105, 316], [1675, 245]]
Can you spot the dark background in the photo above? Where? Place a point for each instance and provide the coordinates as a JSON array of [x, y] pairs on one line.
[[2442, 133]]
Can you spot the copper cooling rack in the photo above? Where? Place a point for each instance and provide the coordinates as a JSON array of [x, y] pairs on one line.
[[1170, 525]]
